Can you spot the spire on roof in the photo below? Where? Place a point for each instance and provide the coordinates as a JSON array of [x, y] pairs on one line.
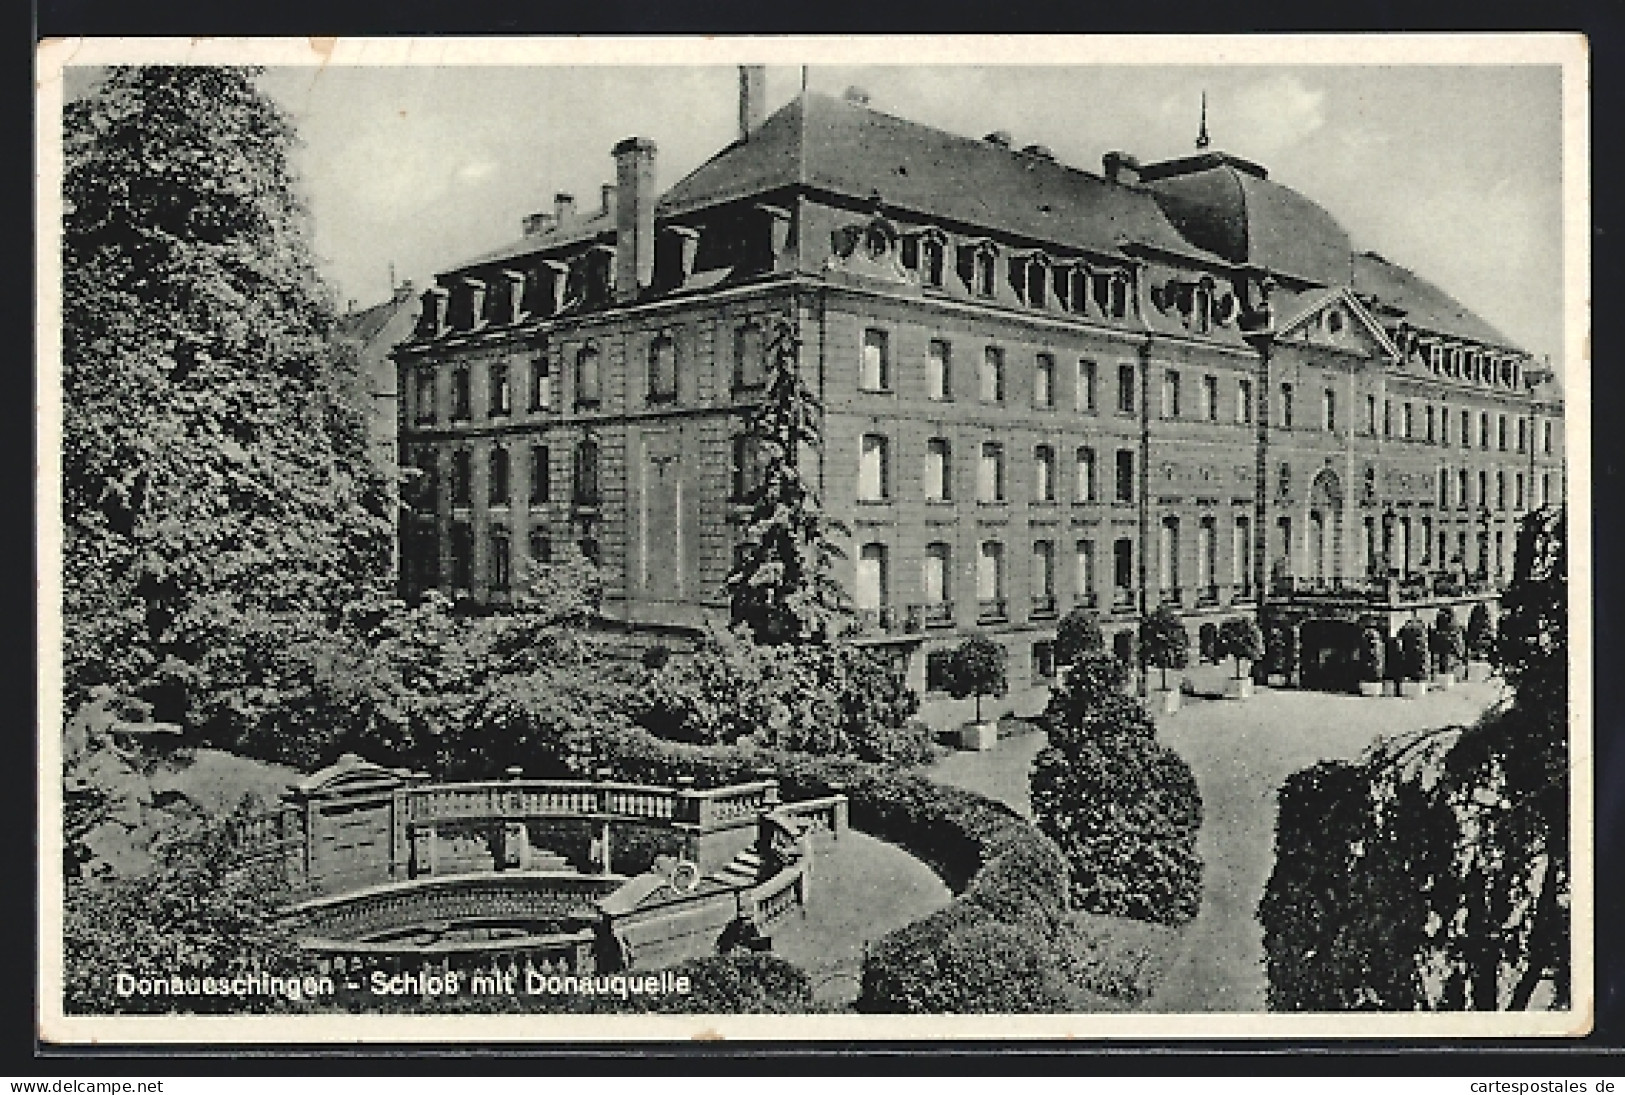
[[1202, 140]]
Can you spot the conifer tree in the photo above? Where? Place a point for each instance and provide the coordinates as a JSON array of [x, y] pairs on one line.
[[783, 588]]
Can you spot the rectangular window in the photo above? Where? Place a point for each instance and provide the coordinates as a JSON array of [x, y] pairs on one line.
[[1408, 421], [1462, 482], [1170, 394], [1388, 418], [1085, 569], [1125, 389], [876, 371], [938, 470], [1466, 429], [497, 481], [462, 555], [750, 368], [1371, 415], [1523, 433], [1244, 402], [662, 369], [425, 394], [1428, 424], [501, 561], [1545, 488], [1043, 574], [746, 473], [936, 579], [1085, 489], [501, 397], [540, 485], [1043, 474], [993, 375], [1484, 430], [872, 470], [1086, 387], [938, 371], [990, 575], [462, 477], [1210, 398], [1125, 475], [1444, 425], [1518, 495], [1044, 381], [1501, 432], [1241, 553], [541, 384], [1123, 565], [461, 395], [1546, 437], [990, 477], [1286, 407], [589, 380], [1329, 409]]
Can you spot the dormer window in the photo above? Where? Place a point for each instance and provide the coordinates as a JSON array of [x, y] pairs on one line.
[[1111, 293], [1031, 280], [1076, 281], [933, 258], [1201, 309], [1436, 358], [984, 271]]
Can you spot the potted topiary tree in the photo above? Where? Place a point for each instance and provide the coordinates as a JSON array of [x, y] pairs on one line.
[[1480, 642], [1373, 661], [1240, 640], [1443, 641], [1165, 644], [1413, 659], [977, 669]]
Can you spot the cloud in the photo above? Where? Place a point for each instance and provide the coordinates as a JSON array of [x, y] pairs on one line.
[[1274, 113]]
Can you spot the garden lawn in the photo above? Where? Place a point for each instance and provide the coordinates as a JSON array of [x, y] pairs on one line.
[[1241, 753], [862, 888]]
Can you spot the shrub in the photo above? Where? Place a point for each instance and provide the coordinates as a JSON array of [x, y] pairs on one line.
[[732, 984], [961, 960], [978, 669], [1373, 655], [1123, 809], [1480, 633], [1413, 654], [1280, 648], [1240, 639], [655, 657], [1165, 642], [1077, 634]]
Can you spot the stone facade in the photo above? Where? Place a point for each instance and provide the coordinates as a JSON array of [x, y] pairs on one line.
[[1114, 390]]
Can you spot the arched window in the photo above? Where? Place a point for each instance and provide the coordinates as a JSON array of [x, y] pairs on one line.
[[984, 267], [588, 390], [870, 594], [874, 473], [501, 576], [461, 393], [937, 578], [1086, 489], [932, 260], [1044, 474], [462, 477]]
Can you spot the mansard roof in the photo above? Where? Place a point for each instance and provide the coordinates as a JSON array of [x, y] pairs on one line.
[[1418, 302], [852, 150], [1227, 205]]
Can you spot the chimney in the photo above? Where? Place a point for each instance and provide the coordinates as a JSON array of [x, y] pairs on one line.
[[1000, 137], [1039, 151], [1121, 168], [606, 199], [752, 99], [564, 209], [857, 95], [535, 224], [634, 216]]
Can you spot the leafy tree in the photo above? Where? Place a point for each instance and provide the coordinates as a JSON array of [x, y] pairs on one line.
[[1165, 642], [1373, 655], [1434, 873], [977, 669], [1077, 634], [1123, 809], [218, 504], [1445, 641], [196, 915], [1239, 638], [783, 588]]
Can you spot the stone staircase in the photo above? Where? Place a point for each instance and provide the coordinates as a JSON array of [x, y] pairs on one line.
[[745, 869]]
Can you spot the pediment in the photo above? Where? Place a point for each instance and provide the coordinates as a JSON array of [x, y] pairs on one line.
[[349, 775], [1334, 319]]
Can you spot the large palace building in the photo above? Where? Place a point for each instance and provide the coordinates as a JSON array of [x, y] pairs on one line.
[[1174, 382]]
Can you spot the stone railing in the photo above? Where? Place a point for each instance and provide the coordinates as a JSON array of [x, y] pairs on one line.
[[779, 896], [354, 916], [828, 814]]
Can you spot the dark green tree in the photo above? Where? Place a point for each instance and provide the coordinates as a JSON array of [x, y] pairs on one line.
[[1239, 639], [783, 588], [218, 505], [1078, 634]]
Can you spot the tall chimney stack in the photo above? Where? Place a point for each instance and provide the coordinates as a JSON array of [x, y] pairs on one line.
[[634, 216], [564, 209], [752, 99]]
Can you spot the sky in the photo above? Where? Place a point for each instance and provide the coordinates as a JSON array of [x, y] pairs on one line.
[[1452, 171]]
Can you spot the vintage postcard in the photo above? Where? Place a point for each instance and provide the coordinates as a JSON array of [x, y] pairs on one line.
[[903, 538]]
